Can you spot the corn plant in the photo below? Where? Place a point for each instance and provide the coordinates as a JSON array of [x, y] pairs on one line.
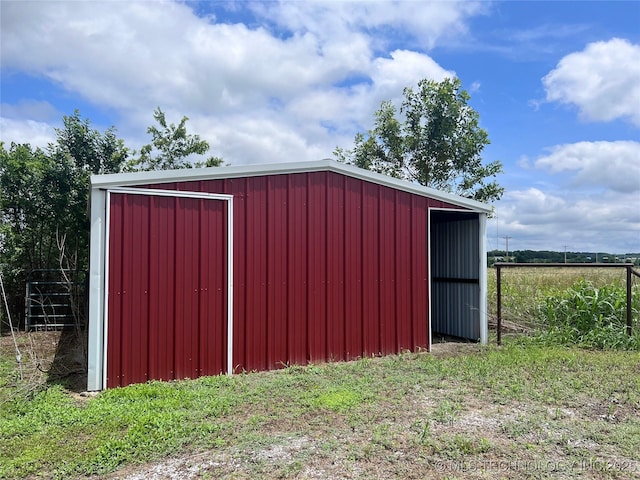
[[589, 316]]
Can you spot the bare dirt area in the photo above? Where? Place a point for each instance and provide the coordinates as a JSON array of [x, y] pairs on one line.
[[478, 437], [48, 357]]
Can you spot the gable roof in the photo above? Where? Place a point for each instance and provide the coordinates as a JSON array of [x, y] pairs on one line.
[[327, 165]]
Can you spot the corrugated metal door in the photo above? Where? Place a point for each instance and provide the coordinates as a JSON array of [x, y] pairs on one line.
[[455, 274], [167, 288]]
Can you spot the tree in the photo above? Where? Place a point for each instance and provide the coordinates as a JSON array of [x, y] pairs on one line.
[[44, 196], [436, 141], [170, 147]]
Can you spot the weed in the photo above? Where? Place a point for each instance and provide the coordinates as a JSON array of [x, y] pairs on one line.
[[446, 412], [423, 430], [383, 436]]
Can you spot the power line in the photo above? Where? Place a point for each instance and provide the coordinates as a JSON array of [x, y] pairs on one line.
[[506, 238]]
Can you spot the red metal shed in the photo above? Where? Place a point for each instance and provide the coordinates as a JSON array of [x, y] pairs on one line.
[[219, 270]]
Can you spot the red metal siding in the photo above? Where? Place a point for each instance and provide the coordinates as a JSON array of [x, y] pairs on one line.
[[317, 256], [371, 270], [419, 272], [297, 310], [277, 271], [353, 268], [336, 292], [326, 267], [167, 288], [161, 272]]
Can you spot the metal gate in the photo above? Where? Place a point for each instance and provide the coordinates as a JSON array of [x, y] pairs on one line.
[[54, 299]]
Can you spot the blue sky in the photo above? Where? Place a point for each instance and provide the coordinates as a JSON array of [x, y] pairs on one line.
[[556, 84]]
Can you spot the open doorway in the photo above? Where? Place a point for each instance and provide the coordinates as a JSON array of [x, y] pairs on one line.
[[457, 275]]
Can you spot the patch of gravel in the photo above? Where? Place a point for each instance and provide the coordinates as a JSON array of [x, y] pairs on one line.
[[180, 468], [285, 451]]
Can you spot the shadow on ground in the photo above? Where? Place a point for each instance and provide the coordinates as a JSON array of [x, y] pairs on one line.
[[68, 367]]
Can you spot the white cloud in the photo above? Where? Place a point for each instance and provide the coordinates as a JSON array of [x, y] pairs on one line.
[[425, 22], [612, 165], [37, 134], [404, 69], [603, 81], [30, 109], [543, 220], [593, 204], [300, 78], [316, 76]]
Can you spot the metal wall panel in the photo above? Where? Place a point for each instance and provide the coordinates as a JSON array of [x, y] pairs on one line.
[[326, 267], [336, 262], [353, 300], [335, 268], [166, 289], [455, 274]]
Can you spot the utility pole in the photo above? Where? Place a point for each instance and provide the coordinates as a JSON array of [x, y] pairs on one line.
[[506, 238], [565, 254]]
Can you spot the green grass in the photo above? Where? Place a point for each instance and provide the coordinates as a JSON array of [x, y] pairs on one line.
[[375, 418]]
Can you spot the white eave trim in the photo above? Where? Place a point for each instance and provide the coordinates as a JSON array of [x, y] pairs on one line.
[[213, 173]]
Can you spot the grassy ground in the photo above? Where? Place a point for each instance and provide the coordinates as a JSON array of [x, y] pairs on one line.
[[463, 411]]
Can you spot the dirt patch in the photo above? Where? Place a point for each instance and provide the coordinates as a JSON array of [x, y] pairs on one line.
[[48, 357]]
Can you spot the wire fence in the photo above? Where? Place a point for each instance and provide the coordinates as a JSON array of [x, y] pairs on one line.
[[519, 293]]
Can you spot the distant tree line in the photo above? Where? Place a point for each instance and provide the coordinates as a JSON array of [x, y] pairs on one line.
[[546, 256]]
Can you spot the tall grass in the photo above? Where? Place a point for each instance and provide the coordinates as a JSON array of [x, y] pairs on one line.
[[582, 307]]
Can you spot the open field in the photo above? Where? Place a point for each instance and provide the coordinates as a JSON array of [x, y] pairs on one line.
[[463, 411]]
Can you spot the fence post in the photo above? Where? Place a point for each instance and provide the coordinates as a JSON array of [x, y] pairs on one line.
[[499, 305], [629, 320]]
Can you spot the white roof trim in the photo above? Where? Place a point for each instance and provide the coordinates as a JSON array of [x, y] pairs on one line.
[[211, 173]]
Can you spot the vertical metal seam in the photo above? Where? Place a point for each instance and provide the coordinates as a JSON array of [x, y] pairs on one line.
[[397, 209], [245, 295], [199, 291], [326, 266], [106, 288], [289, 281], [268, 299], [148, 339], [175, 283], [361, 253], [429, 284], [382, 282], [379, 261], [308, 285], [344, 269], [230, 222], [412, 278]]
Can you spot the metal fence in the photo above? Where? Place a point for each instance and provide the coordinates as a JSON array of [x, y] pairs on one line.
[[519, 292], [54, 299]]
